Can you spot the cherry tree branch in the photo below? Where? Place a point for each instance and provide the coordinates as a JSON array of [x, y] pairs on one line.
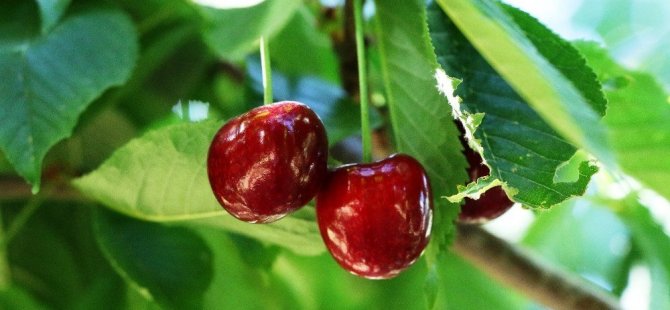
[[516, 268]]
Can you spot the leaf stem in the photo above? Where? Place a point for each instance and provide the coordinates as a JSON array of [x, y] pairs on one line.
[[366, 134], [5, 277], [266, 71], [24, 215], [185, 111]]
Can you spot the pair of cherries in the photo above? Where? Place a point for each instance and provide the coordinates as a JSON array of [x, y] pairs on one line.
[[374, 218]]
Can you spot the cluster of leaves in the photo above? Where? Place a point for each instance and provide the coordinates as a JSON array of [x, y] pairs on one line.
[[107, 75]]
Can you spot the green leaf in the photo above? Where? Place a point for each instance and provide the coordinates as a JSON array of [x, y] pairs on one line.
[[51, 11], [638, 120], [293, 232], [54, 257], [563, 56], [162, 176], [19, 21], [599, 248], [15, 297], [512, 53], [634, 31], [238, 285], [420, 116], [234, 33], [654, 245], [173, 265], [522, 150], [50, 80]]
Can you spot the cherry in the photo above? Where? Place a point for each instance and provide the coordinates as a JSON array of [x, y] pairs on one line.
[[375, 218], [491, 204], [268, 162]]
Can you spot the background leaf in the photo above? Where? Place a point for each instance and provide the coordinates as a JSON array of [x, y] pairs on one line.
[[636, 32], [465, 287], [162, 176], [301, 50], [264, 19], [600, 247], [51, 11], [520, 148], [653, 244], [637, 120], [52, 79], [55, 259], [171, 264], [16, 298]]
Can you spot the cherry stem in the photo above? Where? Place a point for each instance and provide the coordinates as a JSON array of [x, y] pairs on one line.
[[366, 134], [5, 277], [185, 111], [34, 203], [266, 71]]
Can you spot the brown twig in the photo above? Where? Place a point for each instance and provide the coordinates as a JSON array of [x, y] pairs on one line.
[[345, 46], [16, 189], [514, 267]]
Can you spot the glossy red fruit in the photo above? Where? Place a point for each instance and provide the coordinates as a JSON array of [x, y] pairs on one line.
[[375, 218], [491, 204], [268, 162]]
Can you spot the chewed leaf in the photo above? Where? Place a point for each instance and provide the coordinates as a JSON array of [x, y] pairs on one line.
[[474, 189], [555, 83], [521, 149]]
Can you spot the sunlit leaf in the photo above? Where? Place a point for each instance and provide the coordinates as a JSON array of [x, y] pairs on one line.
[[162, 176]]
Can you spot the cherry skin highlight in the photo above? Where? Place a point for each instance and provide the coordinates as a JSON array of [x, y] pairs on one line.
[[491, 204], [268, 162], [375, 218]]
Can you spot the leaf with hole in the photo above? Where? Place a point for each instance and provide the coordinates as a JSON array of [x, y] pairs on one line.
[[509, 46], [522, 150]]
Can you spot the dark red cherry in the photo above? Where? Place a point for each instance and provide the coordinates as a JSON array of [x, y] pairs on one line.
[[375, 218], [268, 162], [491, 204]]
